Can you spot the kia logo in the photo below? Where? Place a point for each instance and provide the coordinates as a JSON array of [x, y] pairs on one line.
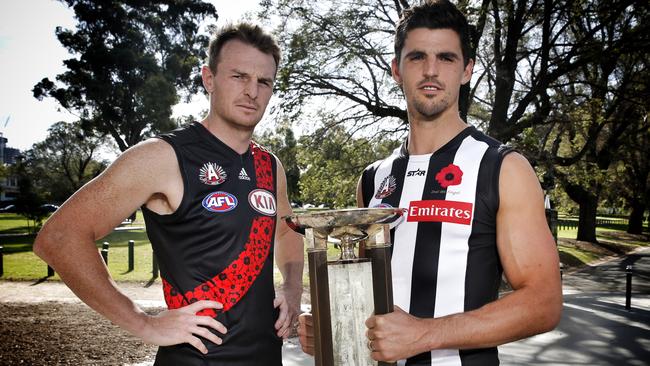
[[262, 201]]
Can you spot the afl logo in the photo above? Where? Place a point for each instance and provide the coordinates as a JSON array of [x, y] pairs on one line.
[[262, 201], [219, 202]]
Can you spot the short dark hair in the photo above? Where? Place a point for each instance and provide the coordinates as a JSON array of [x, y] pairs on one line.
[[247, 33], [433, 14]]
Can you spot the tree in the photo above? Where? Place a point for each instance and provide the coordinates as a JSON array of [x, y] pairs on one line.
[[131, 58], [331, 161], [528, 54], [342, 52], [284, 145], [66, 160], [598, 109], [29, 200]]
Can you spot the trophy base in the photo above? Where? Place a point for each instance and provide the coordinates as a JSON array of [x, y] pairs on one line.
[[351, 304]]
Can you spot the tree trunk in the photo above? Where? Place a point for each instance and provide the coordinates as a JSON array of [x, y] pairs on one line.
[[587, 200], [635, 225], [587, 220]]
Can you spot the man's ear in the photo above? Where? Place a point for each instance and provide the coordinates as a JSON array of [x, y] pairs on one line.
[[467, 73], [208, 78], [394, 69]]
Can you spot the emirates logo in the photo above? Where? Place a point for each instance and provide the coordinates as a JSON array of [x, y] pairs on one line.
[[440, 211]]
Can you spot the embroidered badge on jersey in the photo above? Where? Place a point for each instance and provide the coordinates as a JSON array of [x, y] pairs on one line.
[[386, 188], [219, 202], [243, 175], [212, 174], [451, 175], [262, 201]]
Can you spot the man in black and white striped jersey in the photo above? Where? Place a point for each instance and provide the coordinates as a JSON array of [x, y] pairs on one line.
[[474, 210]]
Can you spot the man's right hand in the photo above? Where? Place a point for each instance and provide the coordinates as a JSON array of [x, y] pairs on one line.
[[182, 325], [306, 333]]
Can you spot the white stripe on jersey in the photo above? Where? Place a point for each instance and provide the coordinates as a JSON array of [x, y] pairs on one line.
[[406, 233], [454, 245]]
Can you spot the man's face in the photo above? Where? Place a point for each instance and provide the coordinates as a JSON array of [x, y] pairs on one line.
[[242, 85], [431, 72]]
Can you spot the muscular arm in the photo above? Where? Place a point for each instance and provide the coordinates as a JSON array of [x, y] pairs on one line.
[[289, 255], [67, 242], [530, 263]]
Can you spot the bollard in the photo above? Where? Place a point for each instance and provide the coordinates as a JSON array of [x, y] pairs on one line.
[[628, 287], [50, 271], [155, 266], [2, 266], [131, 245], [104, 253]]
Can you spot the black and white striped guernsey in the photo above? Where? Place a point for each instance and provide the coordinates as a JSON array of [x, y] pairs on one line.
[[444, 258]]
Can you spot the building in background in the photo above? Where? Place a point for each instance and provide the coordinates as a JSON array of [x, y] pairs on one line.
[[8, 184]]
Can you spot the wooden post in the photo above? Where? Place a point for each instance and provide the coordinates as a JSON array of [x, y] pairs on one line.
[[131, 260]]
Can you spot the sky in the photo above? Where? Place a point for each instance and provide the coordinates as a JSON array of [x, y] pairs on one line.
[[29, 52]]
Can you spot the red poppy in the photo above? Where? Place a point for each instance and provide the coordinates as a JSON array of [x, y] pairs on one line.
[[451, 175]]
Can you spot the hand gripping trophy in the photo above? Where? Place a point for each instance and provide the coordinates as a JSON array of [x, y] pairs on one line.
[[342, 296]]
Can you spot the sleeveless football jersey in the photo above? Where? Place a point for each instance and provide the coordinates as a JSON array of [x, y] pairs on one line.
[[444, 257], [218, 245]]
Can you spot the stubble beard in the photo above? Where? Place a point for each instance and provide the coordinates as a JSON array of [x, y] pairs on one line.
[[429, 108], [242, 126]]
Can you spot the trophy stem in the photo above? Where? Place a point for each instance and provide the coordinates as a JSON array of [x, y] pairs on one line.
[[347, 249]]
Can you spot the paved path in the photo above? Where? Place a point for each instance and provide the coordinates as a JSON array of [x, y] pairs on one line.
[[595, 329]]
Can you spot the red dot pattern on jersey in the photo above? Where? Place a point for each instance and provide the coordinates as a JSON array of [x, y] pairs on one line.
[[229, 286], [263, 167]]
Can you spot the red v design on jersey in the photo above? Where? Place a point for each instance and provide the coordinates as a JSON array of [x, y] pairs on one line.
[[229, 286]]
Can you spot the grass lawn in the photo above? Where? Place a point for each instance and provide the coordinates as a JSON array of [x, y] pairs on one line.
[[21, 264], [612, 240], [11, 223]]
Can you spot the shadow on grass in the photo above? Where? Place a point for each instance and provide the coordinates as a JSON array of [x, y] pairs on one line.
[[151, 281], [17, 243], [40, 280], [569, 260]]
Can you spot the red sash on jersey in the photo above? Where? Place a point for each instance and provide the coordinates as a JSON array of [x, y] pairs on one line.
[[229, 286]]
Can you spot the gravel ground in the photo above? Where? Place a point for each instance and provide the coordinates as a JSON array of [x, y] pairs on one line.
[[54, 333]]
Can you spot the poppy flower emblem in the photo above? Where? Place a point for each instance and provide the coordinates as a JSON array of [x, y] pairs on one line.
[[451, 175]]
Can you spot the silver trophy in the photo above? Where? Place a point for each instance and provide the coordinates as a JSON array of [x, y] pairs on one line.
[[345, 292]]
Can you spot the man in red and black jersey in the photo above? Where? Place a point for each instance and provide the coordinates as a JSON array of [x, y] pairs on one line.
[[210, 198], [474, 210]]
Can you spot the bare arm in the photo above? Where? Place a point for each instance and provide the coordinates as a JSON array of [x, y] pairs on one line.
[[67, 243], [289, 256], [360, 193], [530, 263]]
